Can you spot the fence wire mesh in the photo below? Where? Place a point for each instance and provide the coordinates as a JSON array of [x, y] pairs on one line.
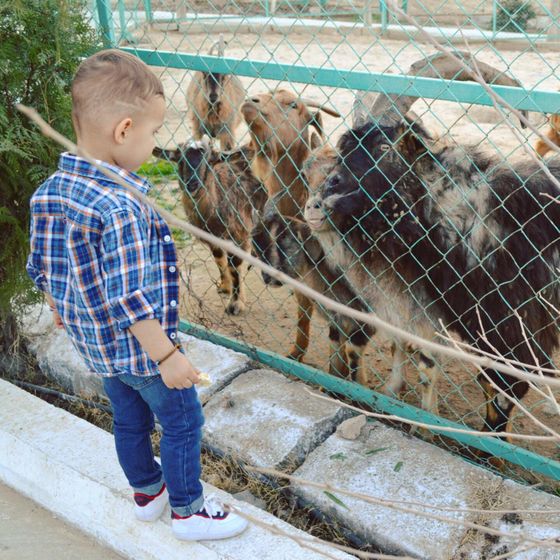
[[272, 85]]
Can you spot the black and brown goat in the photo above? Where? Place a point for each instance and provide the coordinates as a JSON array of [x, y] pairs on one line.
[[214, 100], [428, 232], [219, 195]]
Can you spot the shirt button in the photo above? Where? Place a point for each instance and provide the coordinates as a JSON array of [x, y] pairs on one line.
[[167, 238], [173, 303], [172, 269], [173, 336]]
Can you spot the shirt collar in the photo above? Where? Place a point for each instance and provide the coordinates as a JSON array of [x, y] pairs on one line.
[[76, 165]]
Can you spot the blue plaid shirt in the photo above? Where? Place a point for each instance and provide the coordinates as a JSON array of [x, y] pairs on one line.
[[107, 260]]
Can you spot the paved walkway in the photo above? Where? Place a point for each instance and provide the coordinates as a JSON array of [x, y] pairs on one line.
[[28, 532]]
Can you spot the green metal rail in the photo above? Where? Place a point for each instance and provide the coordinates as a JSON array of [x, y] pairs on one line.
[[429, 88]]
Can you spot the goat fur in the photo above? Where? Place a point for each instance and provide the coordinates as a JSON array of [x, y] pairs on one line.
[[220, 195]]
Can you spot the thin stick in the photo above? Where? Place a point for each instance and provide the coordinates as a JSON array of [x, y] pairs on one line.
[[366, 497], [367, 318]]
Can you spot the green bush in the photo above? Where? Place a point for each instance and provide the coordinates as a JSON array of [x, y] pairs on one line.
[[41, 44], [513, 15]]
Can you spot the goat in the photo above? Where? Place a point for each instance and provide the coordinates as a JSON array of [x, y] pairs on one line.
[[287, 245], [279, 124], [429, 232], [553, 134], [279, 127], [219, 195], [214, 100]]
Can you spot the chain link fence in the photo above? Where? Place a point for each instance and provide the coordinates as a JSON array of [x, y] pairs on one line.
[[258, 156]]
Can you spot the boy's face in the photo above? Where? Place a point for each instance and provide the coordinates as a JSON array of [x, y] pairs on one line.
[[137, 138]]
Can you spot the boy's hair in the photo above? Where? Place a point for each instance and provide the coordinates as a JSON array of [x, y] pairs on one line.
[[112, 82]]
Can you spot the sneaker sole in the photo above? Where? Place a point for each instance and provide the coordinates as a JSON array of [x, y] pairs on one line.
[[205, 537]]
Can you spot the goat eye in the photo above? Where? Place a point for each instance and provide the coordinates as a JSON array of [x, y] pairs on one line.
[[384, 147], [293, 105]]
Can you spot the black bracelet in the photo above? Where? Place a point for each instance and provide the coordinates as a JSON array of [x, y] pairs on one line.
[[175, 348]]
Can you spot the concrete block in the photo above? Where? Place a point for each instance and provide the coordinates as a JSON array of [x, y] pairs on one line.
[[385, 463], [70, 467], [267, 420]]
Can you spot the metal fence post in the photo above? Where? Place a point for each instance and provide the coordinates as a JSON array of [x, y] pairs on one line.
[[106, 24]]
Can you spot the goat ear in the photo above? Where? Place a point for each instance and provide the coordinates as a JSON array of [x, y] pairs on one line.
[[171, 155], [317, 123], [410, 144], [314, 141]]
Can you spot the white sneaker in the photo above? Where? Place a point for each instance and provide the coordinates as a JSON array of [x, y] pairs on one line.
[[210, 523], [150, 508]]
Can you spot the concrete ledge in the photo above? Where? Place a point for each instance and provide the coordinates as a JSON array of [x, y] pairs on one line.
[[70, 467]]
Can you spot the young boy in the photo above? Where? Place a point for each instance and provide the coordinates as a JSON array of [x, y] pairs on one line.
[[108, 267]]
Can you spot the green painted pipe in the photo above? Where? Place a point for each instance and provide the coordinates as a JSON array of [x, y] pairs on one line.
[[429, 88]]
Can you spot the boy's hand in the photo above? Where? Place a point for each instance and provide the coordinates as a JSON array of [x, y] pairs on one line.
[[56, 317], [177, 372]]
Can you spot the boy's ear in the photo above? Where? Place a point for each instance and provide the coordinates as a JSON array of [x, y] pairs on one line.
[[121, 130]]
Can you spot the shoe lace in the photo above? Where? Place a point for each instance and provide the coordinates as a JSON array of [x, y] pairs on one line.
[[213, 505]]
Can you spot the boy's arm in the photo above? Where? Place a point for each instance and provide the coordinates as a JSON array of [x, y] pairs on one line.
[[176, 371], [134, 301]]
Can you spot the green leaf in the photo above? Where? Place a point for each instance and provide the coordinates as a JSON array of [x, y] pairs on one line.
[[377, 450], [335, 499], [398, 466], [338, 456]]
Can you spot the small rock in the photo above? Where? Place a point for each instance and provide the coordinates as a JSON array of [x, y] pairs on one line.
[[351, 428]]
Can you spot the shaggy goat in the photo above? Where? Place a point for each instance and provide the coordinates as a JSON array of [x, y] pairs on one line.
[[214, 100], [219, 195], [429, 232]]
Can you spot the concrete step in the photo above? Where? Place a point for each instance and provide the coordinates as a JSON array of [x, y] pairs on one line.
[[70, 467]]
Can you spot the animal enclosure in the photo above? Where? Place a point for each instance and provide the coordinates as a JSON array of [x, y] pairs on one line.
[[259, 97]]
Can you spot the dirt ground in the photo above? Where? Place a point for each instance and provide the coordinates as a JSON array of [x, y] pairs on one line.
[[269, 320]]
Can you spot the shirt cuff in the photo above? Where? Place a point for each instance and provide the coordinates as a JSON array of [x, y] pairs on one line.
[[38, 278], [134, 307]]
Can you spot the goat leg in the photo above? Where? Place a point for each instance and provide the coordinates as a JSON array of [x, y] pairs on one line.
[[338, 364], [225, 285], [305, 311], [395, 385], [237, 300]]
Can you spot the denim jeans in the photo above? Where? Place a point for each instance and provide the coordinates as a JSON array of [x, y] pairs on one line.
[[135, 400]]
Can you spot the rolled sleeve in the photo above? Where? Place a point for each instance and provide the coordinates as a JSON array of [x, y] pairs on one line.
[[125, 257], [35, 273], [34, 266]]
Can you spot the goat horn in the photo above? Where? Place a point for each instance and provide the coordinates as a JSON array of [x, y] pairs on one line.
[[317, 105], [390, 109]]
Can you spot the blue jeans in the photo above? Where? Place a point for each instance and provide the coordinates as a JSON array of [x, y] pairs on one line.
[[135, 400]]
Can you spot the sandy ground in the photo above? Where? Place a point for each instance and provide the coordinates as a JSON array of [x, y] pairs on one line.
[[269, 320]]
